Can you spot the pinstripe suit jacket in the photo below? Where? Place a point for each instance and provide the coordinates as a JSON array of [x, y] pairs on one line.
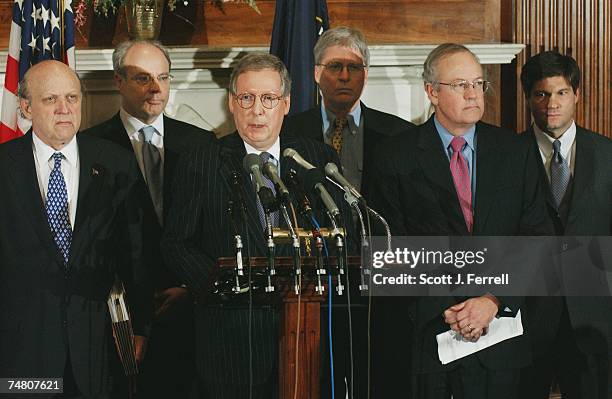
[[198, 232]]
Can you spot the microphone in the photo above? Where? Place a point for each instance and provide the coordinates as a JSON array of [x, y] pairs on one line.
[[271, 171], [253, 164], [298, 193], [331, 170], [315, 180], [293, 154]]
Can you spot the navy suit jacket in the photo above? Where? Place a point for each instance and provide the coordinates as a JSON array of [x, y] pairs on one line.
[[199, 232], [413, 189], [378, 126], [50, 311]]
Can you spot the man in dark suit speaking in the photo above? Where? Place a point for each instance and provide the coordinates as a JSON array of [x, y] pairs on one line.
[[456, 175], [232, 361], [572, 336], [142, 74], [72, 211]]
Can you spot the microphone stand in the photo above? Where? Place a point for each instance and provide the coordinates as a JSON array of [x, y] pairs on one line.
[[297, 256], [237, 215], [271, 252]]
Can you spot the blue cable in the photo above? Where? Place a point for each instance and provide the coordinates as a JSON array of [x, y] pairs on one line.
[[329, 313]]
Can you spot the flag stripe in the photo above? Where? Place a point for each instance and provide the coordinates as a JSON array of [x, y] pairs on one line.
[[40, 30]]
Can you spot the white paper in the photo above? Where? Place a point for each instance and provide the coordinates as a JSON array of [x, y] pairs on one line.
[[451, 345]]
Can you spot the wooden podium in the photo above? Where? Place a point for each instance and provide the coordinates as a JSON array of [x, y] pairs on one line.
[[308, 307]]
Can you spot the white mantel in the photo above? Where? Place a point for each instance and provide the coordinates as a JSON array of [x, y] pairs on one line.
[[198, 92]]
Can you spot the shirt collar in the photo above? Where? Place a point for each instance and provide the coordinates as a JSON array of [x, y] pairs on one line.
[[353, 118], [274, 150], [545, 142], [447, 137], [133, 125], [43, 152]]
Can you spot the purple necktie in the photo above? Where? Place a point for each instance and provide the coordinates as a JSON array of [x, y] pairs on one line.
[[461, 178]]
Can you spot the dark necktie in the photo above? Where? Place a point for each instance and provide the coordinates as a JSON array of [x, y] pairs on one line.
[[58, 214], [265, 157], [153, 170], [336, 140], [461, 178], [559, 174]]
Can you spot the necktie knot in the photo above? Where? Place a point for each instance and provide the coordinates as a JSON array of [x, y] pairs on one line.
[[457, 143], [266, 156], [57, 159], [147, 133]]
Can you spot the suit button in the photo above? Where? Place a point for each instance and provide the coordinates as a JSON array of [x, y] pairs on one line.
[[564, 246]]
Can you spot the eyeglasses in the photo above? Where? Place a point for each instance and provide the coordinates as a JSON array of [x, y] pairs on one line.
[[144, 79], [460, 86], [336, 67], [247, 100]]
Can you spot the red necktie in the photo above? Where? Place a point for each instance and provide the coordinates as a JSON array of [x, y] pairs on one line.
[[461, 178]]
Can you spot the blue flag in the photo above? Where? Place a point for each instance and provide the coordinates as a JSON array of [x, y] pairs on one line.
[[297, 26]]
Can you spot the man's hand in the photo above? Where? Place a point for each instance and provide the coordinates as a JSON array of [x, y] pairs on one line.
[[166, 299], [140, 346], [471, 318]]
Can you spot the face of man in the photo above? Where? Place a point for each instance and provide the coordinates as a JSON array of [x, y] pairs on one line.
[[146, 86], [54, 104], [457, 111], [553, 105], [341, 90], [259, 126]]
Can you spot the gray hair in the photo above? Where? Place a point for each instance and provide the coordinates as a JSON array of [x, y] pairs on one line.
[[430, 74], [259, 62], [23, 91], [342, 36], [123, 47]]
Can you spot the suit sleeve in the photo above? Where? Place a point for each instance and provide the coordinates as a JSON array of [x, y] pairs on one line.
[[183, 241]]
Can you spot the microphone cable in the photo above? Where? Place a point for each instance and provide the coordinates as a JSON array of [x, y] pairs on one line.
[[329, 310]]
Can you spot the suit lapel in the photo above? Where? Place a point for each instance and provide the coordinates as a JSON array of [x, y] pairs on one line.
[[583, 172], [232, 154], [436, 168], [172, 141], [25, 181], [91, 177], [487, 181]]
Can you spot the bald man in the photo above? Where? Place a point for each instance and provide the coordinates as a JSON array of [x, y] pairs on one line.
[[64, 236]]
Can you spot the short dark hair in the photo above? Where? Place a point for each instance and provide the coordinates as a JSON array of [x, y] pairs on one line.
[[546, 65]]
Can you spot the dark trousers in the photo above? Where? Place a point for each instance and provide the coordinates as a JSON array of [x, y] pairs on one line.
[[580, 376], [168, 369], [470, 380]]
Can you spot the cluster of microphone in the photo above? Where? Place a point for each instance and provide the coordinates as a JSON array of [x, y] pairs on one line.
[[313, 181]]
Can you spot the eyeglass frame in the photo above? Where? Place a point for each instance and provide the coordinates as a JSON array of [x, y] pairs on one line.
[[360, 67], [150, 78], [239, 97], [457, 83]]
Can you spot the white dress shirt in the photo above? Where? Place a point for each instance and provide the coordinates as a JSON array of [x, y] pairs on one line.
[[43, 161], [274, 150], [132, 127], [568, 147]]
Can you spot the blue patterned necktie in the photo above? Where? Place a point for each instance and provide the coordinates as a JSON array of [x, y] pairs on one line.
[[559, 174], [265, 157], [57, 208]]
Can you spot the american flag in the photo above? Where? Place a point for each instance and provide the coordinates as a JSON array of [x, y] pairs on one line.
[[40, 30]]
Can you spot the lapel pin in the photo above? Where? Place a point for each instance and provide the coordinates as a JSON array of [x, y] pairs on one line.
[[94, 172]]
